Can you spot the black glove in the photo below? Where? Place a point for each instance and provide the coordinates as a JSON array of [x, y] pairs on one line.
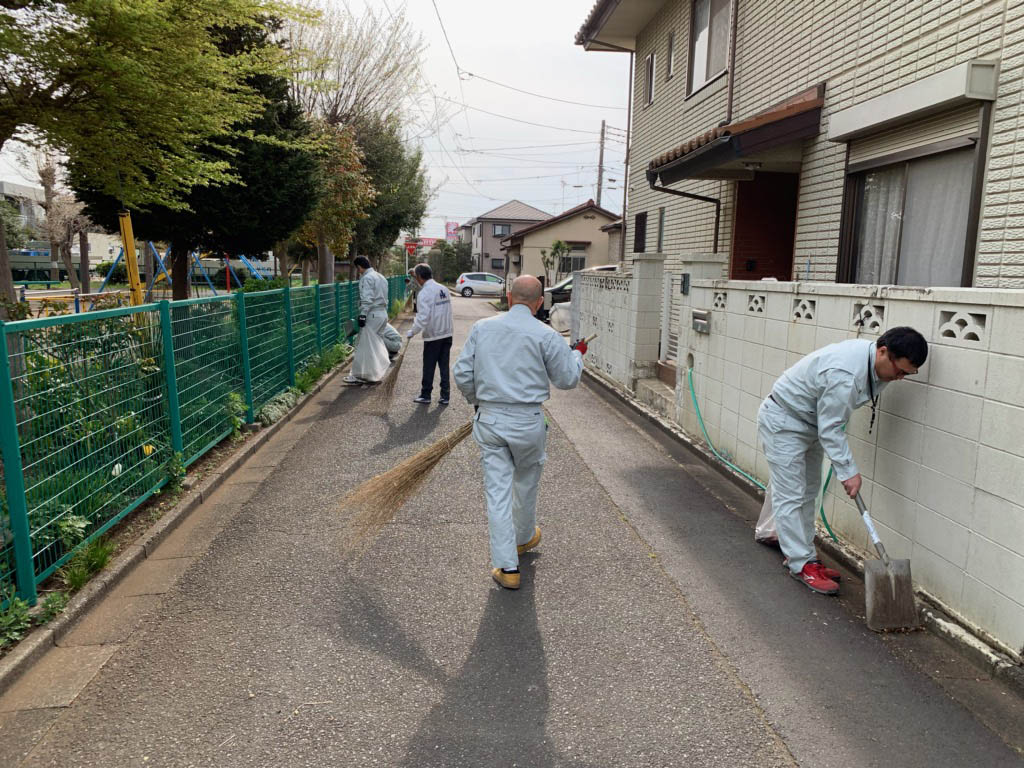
[[361, 320]]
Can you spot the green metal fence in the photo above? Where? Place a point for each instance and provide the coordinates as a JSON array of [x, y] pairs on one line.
[[95, 407]]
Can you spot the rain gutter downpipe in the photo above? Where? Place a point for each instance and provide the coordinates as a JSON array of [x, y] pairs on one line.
[[653, 180]]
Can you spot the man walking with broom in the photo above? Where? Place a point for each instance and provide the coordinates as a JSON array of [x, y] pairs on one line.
[[505, 370], [434, 319], [378, 341]]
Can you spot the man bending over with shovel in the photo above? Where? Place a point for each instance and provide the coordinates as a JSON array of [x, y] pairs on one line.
[[505, 369], [803, 419]]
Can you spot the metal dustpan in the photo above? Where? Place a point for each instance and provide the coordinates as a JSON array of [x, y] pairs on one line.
[[888, 588]]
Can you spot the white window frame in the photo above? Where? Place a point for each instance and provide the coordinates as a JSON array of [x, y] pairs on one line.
[[649, 70], [693, 85], [670, 56]]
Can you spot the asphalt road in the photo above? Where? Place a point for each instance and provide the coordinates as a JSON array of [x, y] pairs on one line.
[[650, 630]]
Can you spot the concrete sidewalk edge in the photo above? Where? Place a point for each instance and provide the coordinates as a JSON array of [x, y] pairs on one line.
[[936, 618], [31, 649]]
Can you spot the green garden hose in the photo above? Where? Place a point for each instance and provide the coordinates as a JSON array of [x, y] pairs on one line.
[[754, 480]]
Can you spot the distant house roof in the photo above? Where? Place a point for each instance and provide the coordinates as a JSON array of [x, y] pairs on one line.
[[617, 224], [582, 208], [516, 211]]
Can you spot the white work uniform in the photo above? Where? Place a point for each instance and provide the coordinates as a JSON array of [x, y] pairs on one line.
[[803, 419], [433, 312], [505, 368], [376, 338]]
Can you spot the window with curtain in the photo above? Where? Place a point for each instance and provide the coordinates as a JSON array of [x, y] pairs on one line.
[[709, 40], [911, 221], [576, 260]]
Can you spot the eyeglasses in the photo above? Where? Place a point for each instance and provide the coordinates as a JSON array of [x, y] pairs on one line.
[[900, 372]]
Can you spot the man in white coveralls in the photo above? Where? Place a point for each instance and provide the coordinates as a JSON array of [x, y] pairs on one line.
[[378, 342]]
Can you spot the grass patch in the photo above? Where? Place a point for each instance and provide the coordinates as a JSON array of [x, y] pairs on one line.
[[15, 619], [86, 562]]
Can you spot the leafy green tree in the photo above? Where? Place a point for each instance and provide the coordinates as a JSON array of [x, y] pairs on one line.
[[448, 261], [17, 234], [270, 159], [399, 176], [133, 91], [345, 194]]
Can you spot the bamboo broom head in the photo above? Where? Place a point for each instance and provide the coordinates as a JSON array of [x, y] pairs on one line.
[[376, 502], [386, 390]]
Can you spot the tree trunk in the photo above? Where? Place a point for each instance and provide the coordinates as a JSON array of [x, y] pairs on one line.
[[325, 263], [305, 271], [6, 280], [65, 256], [54, 257], [150, 267], [279, 257], [83, 266], [179, 273]]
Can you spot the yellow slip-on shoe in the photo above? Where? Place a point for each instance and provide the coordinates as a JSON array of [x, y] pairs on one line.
[[531, 543], [507, 580]]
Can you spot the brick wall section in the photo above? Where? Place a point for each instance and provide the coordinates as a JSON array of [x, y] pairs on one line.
[[860, 50]]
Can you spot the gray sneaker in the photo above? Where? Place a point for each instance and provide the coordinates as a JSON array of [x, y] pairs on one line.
[[421, 399]]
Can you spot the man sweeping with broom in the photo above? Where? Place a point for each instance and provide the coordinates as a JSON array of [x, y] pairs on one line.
[[378, 341], [505, 370], [434, 320]]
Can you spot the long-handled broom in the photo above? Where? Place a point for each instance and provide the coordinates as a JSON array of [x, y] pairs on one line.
[[377, 501], [386, 388]]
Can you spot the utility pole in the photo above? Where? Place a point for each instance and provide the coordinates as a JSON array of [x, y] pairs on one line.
[[600, 167]]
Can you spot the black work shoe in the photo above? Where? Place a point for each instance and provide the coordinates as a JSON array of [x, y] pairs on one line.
[[421, 399], [443, 401]]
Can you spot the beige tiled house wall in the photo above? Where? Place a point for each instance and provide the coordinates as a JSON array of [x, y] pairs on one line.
[[860, 50], [944, 466]]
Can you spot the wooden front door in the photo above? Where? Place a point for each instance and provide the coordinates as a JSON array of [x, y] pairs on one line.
[[762, 241]]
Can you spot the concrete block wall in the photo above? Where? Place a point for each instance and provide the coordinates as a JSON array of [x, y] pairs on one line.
[[944, 465], [624, 310]]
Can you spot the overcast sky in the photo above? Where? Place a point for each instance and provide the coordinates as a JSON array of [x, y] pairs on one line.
[[478, 161]]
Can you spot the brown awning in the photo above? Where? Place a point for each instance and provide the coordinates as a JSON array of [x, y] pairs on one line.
[[720, 149]]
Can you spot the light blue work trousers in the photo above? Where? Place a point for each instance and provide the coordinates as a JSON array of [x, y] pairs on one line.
[[511, 440], [794, 456]]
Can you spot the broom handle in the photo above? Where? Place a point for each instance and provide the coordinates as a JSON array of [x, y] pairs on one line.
[[866, 516]]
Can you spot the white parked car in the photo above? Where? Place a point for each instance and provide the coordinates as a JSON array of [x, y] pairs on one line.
[[483, 283]]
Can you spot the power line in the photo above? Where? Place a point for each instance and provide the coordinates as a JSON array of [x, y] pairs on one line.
[[516, 119], [539, 95]]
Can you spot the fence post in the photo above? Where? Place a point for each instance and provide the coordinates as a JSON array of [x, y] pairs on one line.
[[316, 309], [243, 340], [170, 372], [17, 509], [337, 313], [289, 340], [352, 305]]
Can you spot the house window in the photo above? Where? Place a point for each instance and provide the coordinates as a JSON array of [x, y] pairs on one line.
[[661, 229], [576, 260], [497, 263], [910, 221], [649, 80], [640, 232], [500, 230], [709, 40], [670, 56]]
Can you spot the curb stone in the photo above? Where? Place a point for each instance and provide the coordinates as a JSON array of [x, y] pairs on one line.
[[936, 620], [29, 650]]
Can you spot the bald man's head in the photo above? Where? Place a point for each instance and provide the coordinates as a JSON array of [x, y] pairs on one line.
[[526, 289]]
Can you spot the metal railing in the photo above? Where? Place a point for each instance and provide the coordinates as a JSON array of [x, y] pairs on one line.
[[98, 411]]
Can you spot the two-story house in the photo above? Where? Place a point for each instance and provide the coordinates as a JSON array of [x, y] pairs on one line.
[[580, 227], [488, 230], [805, 172]]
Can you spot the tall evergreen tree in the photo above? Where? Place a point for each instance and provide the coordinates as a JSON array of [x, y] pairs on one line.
[[271, 159]]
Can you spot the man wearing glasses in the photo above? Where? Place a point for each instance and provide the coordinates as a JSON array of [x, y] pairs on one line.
[[804, 419]]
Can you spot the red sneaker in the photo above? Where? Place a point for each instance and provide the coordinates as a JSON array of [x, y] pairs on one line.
[[812, 577], [829, 573]]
